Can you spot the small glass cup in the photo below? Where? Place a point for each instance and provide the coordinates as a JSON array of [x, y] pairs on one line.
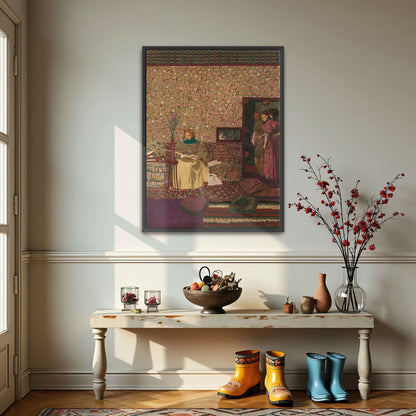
[[129, 297], [152, 300]]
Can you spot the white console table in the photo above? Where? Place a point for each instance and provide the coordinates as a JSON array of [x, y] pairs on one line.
[[100, 321]]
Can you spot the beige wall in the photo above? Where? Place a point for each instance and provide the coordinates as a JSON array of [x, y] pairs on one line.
[[349, 93]]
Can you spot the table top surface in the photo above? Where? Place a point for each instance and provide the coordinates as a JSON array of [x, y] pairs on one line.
[[233, 318]]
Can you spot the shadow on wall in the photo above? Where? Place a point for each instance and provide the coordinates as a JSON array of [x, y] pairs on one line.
[[172, 351], [393, 345], [272, 301]]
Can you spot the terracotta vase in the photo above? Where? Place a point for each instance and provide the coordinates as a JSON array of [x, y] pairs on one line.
[[322, 297]]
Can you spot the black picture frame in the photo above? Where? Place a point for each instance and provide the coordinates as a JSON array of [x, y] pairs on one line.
[[192, 180]]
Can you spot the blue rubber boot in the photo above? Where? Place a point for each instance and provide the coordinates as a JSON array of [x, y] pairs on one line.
[[316, 389], [334, 368]]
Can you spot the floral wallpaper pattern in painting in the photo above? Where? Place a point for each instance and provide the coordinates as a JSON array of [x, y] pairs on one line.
[[204, 97]]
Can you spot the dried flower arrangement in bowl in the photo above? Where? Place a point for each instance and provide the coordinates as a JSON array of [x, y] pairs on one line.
[[213, 293]]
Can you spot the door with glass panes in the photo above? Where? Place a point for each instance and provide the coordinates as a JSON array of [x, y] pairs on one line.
[[7, 221]]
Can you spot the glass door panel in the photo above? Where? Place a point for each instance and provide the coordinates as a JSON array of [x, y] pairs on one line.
[[3, 183], [3, 280], [4, 189], [3, 83]]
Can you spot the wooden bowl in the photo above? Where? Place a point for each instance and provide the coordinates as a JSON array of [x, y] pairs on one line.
[[212, 301]]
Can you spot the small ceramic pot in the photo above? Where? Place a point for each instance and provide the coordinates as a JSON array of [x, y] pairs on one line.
[[288, 308], [307, 304]]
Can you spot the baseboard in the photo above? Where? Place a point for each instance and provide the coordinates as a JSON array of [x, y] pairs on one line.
[[197, 380]]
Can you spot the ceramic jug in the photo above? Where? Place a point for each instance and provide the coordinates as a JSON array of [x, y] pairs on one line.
[[322, 297]]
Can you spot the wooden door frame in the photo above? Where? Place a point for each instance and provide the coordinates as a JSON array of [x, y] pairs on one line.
[[19, 316]]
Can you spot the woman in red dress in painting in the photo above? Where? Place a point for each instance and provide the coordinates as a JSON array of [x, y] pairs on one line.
[[271, 145]]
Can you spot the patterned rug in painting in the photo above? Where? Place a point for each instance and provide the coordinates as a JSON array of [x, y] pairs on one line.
[[217, 206]]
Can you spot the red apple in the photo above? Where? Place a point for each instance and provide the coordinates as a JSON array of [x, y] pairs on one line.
[[194, 286]]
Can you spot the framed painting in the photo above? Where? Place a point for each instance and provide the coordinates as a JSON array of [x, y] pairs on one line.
[[213, 138], [228, 134]]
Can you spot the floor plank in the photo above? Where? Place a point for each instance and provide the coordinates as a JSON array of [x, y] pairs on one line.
[[37, 400]]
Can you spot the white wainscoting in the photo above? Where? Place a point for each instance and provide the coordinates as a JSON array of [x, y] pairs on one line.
[[62, 269]]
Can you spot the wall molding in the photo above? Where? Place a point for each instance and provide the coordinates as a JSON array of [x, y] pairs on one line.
[[25, 257], [197, 380], [210, 256]]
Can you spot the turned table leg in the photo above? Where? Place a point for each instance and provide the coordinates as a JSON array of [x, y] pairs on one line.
[[364, 363], [99, 362]]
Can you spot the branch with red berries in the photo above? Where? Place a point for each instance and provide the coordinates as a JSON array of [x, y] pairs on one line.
[[349, 231]]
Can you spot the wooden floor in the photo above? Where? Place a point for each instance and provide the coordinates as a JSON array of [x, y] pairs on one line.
[[37, 400]]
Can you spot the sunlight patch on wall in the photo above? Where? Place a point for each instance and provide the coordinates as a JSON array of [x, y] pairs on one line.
[[125, 346], [127, 177], [128, 197], [124, 239]]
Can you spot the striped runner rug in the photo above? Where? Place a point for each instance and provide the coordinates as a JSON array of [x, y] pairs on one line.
[[226, 412]]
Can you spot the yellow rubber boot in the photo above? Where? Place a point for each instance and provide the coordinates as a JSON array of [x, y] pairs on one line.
[[276, 390], [246, 379]]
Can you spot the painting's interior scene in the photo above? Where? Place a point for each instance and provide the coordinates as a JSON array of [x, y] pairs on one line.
[[213, 136]]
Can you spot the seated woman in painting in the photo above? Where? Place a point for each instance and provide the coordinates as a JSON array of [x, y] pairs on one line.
[[191, 171]]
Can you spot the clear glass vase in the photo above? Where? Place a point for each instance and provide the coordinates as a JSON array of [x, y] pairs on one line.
[[349, 297]]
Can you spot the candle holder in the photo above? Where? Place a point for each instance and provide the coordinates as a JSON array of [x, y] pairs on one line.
[[152, 300], [129, 297]]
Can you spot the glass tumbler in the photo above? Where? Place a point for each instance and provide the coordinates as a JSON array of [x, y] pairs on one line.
[[129, 297], [152, 300]]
